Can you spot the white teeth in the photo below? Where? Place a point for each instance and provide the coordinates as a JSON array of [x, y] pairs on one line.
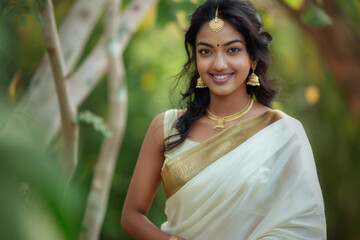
[[221, 76]]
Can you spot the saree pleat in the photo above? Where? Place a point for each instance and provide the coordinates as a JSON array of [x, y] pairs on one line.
[[266, 187]]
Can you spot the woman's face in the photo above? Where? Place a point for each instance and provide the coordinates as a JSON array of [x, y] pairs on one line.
[[222, 60]]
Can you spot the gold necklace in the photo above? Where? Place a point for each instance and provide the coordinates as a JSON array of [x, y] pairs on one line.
[[220, 121]]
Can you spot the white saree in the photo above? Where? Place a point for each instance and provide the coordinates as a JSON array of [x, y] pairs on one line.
[[254, 180]]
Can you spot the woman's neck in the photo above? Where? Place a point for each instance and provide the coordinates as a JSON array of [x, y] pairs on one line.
[[227, 105]]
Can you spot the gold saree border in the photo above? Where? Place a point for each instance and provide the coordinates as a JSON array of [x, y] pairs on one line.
[[182, 168]]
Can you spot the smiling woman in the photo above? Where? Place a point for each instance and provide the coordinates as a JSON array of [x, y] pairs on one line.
[[232, 167], [223, 68]]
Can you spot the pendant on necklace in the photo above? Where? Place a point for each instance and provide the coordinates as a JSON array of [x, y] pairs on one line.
[[220, 124], [220, 121]]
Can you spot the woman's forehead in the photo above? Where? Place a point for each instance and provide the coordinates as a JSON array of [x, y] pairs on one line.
[[227, 34]]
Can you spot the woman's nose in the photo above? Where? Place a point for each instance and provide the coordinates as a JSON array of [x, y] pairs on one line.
[[220, 63]]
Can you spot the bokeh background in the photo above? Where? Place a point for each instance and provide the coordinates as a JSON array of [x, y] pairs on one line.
[[310, 90]]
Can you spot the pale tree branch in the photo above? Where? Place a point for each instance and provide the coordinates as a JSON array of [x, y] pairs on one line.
[[69, 129], [104, 169]]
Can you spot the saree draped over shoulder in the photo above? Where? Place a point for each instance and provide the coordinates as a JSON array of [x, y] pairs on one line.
[[254, 180]]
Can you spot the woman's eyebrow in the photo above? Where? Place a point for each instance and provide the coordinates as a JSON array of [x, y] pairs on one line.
[[205, 44], [225, 44], [233, 41]]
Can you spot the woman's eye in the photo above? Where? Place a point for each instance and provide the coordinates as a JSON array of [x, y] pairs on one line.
[[205, 52], [234, 50]]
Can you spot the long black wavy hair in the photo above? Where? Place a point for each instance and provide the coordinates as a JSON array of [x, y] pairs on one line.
[[244, 17]]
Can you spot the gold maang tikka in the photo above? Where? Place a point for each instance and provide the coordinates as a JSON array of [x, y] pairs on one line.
[[216, 24]]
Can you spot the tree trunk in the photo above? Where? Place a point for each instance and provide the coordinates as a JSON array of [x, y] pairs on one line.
[[105, 167], [69, 129]]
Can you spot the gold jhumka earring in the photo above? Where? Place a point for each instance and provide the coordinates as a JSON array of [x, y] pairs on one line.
[[216, 24], [253, 79], [200, 83]]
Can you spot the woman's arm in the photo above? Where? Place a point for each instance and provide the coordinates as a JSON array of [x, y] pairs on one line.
[[144, 184]]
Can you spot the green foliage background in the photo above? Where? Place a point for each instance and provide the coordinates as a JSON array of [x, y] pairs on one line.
[[153, 57]]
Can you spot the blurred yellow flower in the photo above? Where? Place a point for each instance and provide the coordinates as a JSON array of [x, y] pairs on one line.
[[312, 94]]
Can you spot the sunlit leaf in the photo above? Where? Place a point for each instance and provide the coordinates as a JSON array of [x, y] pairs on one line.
[[294, 4], [94, 120], [316, 17]]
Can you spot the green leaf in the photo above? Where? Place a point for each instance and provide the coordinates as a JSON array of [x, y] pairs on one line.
[[94, 120], [294, 4], [316, 17], [23, 20], [166, 12]]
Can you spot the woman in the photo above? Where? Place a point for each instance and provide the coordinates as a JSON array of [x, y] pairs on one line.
[[232, 167]]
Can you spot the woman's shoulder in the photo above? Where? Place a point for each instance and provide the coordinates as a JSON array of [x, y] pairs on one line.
[[158, 120], [288, 121], [170, 115], [164, 119]]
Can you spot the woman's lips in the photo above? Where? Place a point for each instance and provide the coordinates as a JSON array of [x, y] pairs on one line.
[[221, 78]]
